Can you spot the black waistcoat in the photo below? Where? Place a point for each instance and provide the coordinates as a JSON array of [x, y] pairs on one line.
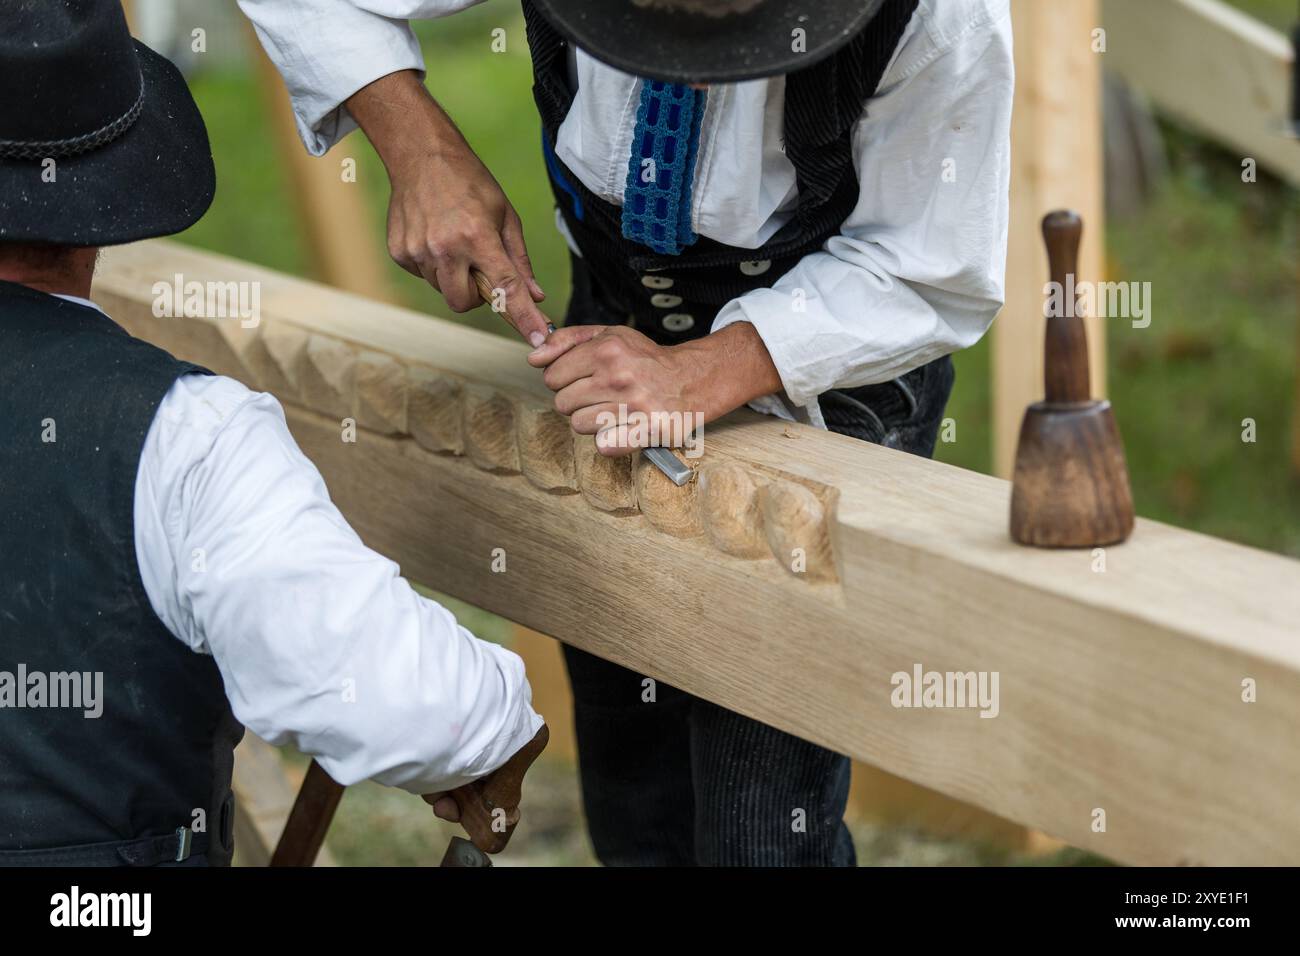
[[72, 601], [823, 106]]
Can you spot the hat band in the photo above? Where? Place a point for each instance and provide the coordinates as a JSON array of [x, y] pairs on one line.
[[74, 146]]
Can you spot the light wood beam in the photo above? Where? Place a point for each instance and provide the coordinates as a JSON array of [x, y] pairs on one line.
[[1121, 690]]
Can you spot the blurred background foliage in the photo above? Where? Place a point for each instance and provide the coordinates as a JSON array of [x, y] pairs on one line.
[[1220, 255]]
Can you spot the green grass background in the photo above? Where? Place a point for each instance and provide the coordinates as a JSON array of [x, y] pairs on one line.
[[1220, 256]]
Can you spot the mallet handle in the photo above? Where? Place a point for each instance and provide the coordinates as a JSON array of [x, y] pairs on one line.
[[1065, 370]]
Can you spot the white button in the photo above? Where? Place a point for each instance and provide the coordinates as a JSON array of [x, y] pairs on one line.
[[679, 322], [662, 301], [657, 282], [756, 267]]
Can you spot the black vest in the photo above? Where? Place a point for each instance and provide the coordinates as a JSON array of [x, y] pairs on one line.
[[823, 106], [117, 788]]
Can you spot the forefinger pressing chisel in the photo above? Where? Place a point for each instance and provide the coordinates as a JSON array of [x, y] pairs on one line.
[[662, 458]]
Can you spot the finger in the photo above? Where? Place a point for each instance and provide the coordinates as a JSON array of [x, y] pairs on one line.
[[561, 341], [403, 259], [447, 809], [511, 296], [619, 440], [398, 249], [426, 271], [512, 236], [457, 286], [585, 393], [593, 419], [581, 362]]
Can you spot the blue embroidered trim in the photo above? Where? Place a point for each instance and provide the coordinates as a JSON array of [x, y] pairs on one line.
[[661, 168]]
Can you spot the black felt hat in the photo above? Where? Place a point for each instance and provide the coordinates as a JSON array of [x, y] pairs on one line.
[[100, 140], [709, 41]]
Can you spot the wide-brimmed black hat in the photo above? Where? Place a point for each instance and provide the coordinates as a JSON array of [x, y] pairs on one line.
[[709, 41], [130, 153]]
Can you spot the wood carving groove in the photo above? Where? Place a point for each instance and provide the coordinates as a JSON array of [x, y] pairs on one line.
[[433, 410], [606, 482], [797, 530], [327, 376], [381, 393], [670, 509], [274, 356], [732, 515], [488, 426], [546, 448], [745, 510]]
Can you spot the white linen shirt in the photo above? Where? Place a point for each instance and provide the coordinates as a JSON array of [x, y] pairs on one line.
[[918, 270], [320, 641]]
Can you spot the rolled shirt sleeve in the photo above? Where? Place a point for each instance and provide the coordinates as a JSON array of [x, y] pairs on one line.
[[918, 270], [320, 642], [326, 50]]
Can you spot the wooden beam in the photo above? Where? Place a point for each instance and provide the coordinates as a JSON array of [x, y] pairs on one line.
[[1056, 163], [886, 800], [1121, 673], [1211, 67]]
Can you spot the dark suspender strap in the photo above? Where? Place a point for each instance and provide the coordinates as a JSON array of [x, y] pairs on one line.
[[823, 106], [175, 847]]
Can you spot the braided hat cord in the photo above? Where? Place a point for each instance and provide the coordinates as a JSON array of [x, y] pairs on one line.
[[76, 145]]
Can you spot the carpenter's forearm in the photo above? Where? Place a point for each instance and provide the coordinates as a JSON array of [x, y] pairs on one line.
[[403, 121]]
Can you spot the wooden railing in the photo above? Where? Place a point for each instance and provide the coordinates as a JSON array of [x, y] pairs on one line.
[[1214, 68], [1149, 695]]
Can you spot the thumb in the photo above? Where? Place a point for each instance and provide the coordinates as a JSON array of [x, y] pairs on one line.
[[562, 341]]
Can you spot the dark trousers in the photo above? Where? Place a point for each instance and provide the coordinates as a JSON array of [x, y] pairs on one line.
[[682, 782]]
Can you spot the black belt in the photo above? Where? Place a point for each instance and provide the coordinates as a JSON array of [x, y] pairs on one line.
[[175, 847]]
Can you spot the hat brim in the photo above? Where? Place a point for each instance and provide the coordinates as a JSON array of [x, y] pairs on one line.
[[693, 48], [157, 179]]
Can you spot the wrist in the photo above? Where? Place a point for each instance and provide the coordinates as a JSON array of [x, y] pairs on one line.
[[402, 120], [733, 368]]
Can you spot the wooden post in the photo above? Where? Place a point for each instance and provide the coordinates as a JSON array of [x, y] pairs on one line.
[[544, 661], [1056, 163], [1295, 412], [346, 245]]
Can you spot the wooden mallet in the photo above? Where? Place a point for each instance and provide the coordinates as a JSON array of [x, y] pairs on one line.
[[1071, 487]]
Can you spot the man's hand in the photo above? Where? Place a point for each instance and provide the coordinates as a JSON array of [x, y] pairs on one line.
[[444, 806], [594, 370], [447, 214], [479, 805]]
